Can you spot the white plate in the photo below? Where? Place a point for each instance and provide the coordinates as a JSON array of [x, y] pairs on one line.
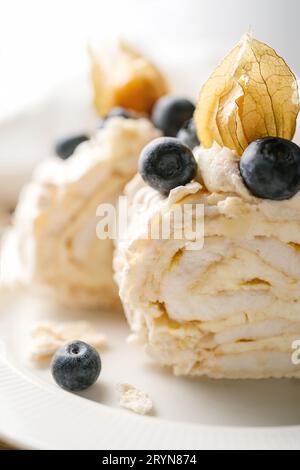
[[189, 414]]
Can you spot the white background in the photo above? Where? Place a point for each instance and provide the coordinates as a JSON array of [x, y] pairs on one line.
[[43, 42]]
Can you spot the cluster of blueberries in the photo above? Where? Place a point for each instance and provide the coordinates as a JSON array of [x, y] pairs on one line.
[[172, 115], [270, 167]]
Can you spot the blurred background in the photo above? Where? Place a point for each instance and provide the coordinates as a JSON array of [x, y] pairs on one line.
[[43, 42], [43, 54]]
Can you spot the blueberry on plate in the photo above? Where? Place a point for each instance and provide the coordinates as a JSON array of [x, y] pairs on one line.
[[170, 113], [76, 366], [166, 163], [270, 168], [65, 147], [188, 134]]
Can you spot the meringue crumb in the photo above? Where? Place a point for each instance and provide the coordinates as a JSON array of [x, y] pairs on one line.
[[134, 399], [47, 337], [133, 338]]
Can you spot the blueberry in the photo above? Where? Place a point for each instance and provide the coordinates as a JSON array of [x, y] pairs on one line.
[[76, 366], [117, 112], [188, 135], [166, 163], [65, 147], [100, 123], [170, 113], [270, 168], [121, 112]]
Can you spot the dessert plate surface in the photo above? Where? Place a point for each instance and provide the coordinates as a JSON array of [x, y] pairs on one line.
[[188, 413]]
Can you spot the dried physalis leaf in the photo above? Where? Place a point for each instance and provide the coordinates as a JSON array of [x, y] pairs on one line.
[[122, 77], [252, 94]]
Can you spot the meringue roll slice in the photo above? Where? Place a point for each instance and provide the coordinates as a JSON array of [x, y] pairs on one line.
[[53, 244], [227, 306], [217, 293]]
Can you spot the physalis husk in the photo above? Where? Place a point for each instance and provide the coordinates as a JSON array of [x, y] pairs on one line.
[[252, 94]]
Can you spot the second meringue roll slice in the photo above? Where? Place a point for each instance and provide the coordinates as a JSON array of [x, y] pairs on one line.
[[53, 244]]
